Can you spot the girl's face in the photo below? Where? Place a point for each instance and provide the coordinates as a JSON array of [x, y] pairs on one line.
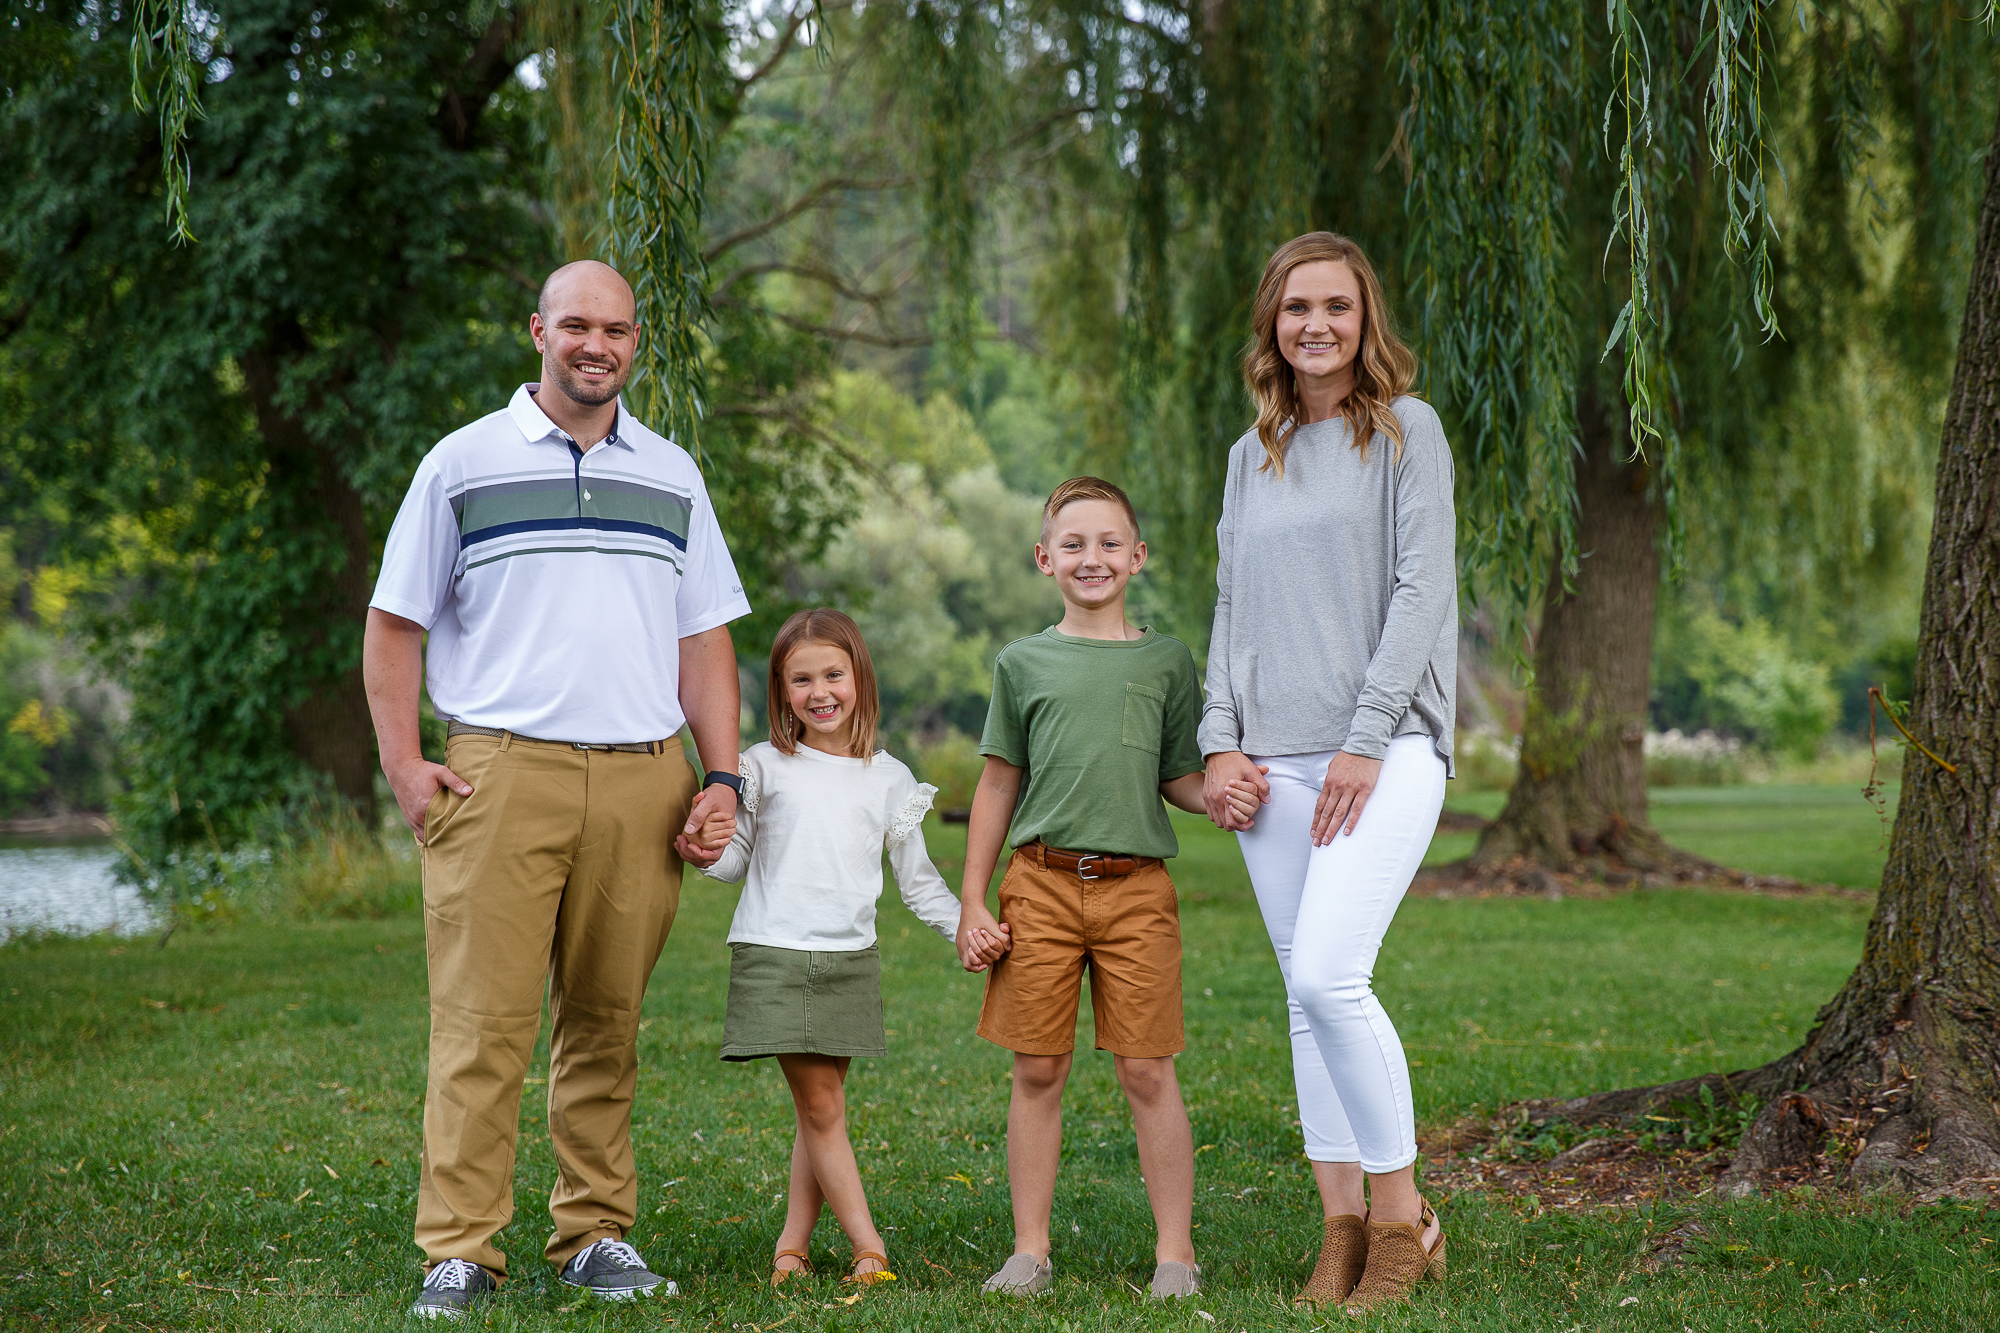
[[1319, 321], [819, 686]]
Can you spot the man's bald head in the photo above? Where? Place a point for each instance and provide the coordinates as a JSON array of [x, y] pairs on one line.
[[586, 326], [589, 282]]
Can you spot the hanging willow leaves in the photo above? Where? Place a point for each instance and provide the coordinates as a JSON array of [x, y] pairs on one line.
[[1493, 108], [164, 31], [664, 61]]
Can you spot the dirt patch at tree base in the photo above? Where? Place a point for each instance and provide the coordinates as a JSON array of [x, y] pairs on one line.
[[1605, 877], [1554, 1166]]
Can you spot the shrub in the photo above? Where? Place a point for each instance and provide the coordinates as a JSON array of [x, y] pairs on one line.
[[1486, 761], [1701, 760], [952, 763]]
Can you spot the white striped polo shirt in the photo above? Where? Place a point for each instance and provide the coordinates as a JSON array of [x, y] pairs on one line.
[[557, 584]]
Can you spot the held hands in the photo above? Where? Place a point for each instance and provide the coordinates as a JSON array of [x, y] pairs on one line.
[[1350, 780], [1233, 788], [415, 781], [710, 826], [981, 940]]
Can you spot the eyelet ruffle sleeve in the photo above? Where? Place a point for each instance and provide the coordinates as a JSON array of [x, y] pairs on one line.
[[911, 817], [749, 776]]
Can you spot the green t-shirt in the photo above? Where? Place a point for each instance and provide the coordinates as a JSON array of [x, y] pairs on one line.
[[1099, 724]]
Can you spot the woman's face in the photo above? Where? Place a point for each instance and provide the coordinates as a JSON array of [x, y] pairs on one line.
[[1319, 321], [819, 686]]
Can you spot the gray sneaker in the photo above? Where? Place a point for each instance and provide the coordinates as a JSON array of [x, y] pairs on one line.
[[1173, 1280], [451, 1289], [611, 1270], [1022, 1275]]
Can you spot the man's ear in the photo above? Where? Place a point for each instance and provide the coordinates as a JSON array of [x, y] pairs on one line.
[[1043, 561], [537, 330]]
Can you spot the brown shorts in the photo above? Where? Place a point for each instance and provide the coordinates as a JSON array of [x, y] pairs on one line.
[[1126, 929]]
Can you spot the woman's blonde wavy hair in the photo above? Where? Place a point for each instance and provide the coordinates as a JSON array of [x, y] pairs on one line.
[[1384, 369]]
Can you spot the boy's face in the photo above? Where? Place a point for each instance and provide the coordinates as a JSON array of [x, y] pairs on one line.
[[1092, 552]]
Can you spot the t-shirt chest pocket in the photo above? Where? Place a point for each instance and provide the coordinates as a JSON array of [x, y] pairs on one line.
[[1145, 708]]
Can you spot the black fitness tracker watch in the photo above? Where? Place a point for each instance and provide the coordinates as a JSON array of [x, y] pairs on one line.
[[733, 781]]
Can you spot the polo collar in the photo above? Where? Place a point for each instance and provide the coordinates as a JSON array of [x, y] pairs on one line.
[[536, 426]]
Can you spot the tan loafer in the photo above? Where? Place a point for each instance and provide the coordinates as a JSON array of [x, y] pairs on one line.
[[1398, 1260], [1342, 1256]]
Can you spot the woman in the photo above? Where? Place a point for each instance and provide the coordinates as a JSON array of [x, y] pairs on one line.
[[1330, 678]]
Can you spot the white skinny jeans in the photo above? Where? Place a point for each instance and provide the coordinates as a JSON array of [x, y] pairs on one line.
[[1327, 909]]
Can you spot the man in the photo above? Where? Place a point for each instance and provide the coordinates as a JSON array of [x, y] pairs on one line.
[[569, 569]]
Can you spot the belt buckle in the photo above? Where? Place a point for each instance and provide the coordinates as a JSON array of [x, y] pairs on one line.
[[1082, 860], [586, 745]]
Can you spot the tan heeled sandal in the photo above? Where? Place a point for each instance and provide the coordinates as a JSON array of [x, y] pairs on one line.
[[1343, 1254], [780, 1276], [870, 1278], [1398, 1260]]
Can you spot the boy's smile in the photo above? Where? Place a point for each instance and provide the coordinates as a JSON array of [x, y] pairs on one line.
[[1092, 553]]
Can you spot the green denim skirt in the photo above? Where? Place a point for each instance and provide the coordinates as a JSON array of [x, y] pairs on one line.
[[791, 1002]]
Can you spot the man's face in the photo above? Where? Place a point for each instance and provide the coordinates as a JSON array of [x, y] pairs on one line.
[[588, 338]]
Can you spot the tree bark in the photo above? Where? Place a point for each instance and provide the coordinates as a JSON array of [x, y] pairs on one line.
[[1923, 1007], [1579, 799], [329, 723], [1907, 1055]]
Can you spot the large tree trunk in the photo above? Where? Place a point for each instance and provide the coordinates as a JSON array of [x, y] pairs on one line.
[[1907, 1055], [328, 721], [1579, 799]]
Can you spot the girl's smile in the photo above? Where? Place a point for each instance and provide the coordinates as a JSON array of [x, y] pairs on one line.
[[819, 687]]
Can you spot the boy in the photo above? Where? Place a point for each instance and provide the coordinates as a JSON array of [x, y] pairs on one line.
[[1101, 716]]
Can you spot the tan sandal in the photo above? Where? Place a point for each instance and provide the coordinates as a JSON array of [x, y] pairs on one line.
[[780, 1276], [1398, 1260], [1342, 1257], [870, 1278]]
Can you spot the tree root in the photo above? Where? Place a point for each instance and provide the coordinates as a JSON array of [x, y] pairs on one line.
[[1902, 1126]]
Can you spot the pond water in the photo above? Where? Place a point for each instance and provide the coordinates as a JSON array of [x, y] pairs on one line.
[[67, 887]]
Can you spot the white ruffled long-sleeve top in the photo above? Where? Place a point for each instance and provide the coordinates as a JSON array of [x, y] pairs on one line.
[[810, 834]]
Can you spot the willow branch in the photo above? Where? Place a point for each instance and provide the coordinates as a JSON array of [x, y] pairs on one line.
[[804, 202]]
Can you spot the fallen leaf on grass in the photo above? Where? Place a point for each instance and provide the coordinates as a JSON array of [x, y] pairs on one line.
[[1629, 1300], [849, 1300], [329, 1170], [302, 1194]]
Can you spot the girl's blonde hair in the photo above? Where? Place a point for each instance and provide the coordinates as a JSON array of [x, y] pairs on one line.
[[1384, 369], [823, 624]]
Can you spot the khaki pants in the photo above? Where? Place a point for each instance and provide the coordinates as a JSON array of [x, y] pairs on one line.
[[558, 871]]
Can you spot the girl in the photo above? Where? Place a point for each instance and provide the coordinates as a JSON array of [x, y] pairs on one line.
[[820, 803], [1330, 676]]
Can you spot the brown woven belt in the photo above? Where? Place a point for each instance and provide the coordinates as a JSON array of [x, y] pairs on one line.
[[1090, 865], [632, 747]]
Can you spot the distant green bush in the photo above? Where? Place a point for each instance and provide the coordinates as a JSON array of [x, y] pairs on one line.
[[58, 726], [1485, 761], [952, 763], [1744, 680]]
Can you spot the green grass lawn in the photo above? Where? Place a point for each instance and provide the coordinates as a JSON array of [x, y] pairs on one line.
[[239, 1113], [1822, 835]]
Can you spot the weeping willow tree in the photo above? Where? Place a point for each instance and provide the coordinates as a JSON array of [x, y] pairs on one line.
[[1635, 331]]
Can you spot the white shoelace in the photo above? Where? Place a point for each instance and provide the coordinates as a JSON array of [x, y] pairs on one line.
[[624, 1254], [452, 1275]]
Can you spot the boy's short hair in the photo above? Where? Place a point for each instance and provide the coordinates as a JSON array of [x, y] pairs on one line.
[[1086, 488]]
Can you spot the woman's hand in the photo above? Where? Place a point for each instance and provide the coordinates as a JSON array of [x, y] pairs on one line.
[[1350, 779], [1226, 767]]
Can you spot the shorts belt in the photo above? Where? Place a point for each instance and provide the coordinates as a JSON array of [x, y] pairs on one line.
[[628, 747], [1088, 865]]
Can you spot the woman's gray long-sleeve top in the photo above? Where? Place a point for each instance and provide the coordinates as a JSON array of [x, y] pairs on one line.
[[1336, 621]]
